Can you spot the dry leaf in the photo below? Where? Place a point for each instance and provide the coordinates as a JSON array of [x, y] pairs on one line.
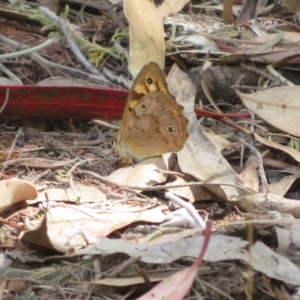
[[288, 236], [278, 106], [144, 173], [184, 191], [78, 190], [219, 142], [65, 228], [146, 34], [221, 247], [250, 174], [14, 191], [264, 260], [127, 281], [199, 157], [282, 186], [177, 285], [36, 162], [281, 204], [292, 152]]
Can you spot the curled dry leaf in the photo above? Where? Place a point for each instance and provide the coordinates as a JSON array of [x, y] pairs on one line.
[[38, 236], [144, 173], [282, 186], [278, 106], [78, 228], [14, 191], [200, 157]]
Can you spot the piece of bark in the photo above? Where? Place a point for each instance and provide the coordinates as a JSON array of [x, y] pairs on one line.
[[219, 80]]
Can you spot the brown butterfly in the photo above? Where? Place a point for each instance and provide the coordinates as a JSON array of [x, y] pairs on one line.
[[153, 123]]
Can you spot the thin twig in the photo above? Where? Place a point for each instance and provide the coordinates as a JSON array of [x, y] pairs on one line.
[[65, 29], [11, 149], [5, 101], [277, 75], [106, 124], [258, 71], [70, 71], [125, 188], [260, 166], [10, 75], [27, 51]]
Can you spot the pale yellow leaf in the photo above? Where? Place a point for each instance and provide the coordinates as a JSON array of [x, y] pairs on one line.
[[146, 34]]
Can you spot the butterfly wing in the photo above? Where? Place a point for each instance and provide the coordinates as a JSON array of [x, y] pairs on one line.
[[150, 79], [153, 123], [155, 126]]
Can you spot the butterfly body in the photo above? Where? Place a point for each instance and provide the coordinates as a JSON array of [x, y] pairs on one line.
[[153, 123]]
